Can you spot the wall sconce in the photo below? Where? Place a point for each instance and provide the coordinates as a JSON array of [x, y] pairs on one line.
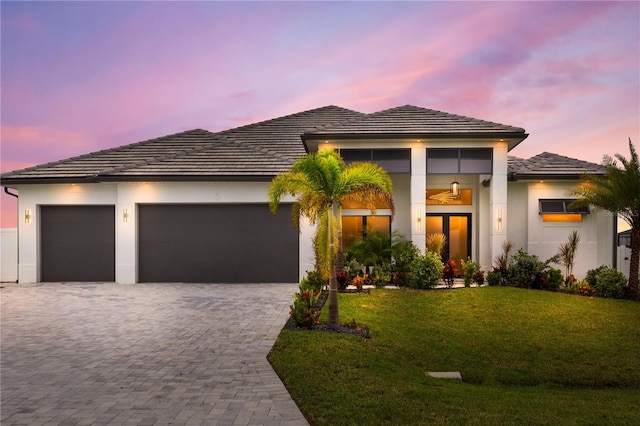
[[27, 216], [419, 219], [499, 220], [455, 188], [125, 215]]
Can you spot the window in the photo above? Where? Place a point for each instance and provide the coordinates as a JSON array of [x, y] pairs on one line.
[[444, 196], [391, 160], [459, 160], [558, 210], [356, 227]]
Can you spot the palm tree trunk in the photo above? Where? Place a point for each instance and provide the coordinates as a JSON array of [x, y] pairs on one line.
[[340, 255], [634, 262], [334, 320]]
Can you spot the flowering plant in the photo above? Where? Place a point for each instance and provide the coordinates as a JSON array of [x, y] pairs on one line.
[[303, 311], [343, 280], [449, 272], [358, 281]]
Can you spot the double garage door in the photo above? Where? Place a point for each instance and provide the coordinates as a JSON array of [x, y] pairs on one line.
[[197, 243]]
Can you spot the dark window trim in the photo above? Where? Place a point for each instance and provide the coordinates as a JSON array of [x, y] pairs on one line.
[[369, 155], [560, 206], [460, 159]]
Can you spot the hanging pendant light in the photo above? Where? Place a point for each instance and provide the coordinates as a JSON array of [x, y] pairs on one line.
[[455, 188]]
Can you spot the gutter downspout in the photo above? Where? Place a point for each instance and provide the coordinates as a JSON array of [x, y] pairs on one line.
[[6, 190]]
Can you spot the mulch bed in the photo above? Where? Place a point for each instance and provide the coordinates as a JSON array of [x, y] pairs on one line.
[[344, 328]]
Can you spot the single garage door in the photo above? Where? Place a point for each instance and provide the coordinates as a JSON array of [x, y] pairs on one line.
[[205, 243], [77, 243]]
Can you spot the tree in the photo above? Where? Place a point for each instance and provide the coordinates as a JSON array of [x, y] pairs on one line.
[[321, 181], [566, 255], [617, 191]]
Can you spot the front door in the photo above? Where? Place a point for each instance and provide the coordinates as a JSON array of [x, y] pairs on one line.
[[457, 229]]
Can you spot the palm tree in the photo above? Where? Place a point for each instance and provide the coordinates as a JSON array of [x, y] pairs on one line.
[[320, 182], [372, 250], [617, 191], [566, 255]]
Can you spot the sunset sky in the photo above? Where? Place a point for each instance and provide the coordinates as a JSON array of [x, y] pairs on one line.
[[77, 77]]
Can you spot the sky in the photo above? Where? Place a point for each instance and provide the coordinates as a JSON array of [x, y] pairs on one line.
[[78, 77]]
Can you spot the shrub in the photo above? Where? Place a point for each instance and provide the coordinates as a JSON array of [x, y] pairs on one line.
[[525, 270], [553, 279], [352, 268], [449, 272], [592, 275], [400, 278], [478, 277], [315, 280], [381, 275], [610, 283], [426, 271], [585, 289], [403, 252], [501, 262], [358, 282], [435, 243], [494, 278], [469, 268], [582, 288], [304, 312], [343, 280]]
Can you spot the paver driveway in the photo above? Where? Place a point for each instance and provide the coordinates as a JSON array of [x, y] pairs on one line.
[[144, 354]]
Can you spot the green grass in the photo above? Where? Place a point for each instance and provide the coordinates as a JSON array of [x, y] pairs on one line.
[[526, 357]]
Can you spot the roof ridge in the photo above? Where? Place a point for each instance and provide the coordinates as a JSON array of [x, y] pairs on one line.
[[296, 114], [449, 114], [547, 153], [155, 159], [229, 133]]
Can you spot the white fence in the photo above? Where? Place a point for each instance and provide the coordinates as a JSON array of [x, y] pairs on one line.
[[9, 254], [624, 256]]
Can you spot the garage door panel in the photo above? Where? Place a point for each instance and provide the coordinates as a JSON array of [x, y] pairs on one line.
[[77, 243], [216, 243]]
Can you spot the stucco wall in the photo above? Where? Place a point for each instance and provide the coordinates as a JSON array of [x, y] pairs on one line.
[[9, 254], [596, 230], [128, 196], [518, 211]]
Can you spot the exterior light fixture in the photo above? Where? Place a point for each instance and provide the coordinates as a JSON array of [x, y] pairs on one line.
[[499, 220], [125, 215], [455, 188], [27, 216], [419, 219]]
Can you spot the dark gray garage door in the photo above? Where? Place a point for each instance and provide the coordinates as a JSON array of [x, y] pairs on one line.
[[77, 243], [204, 243]]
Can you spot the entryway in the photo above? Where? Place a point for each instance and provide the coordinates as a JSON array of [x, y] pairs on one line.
[[457, 228]]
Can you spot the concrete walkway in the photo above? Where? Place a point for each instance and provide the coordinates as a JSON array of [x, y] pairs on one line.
[[143, 354]]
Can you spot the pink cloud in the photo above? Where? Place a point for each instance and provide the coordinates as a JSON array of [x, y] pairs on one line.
[[40, 144]]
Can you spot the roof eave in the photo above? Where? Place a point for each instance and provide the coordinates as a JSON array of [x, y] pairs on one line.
[[10, 183], [311, 139], [514, 176]]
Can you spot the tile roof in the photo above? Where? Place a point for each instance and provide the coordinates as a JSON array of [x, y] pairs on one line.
[[412, 120], [261, 150], [252, 152], [550, 166]]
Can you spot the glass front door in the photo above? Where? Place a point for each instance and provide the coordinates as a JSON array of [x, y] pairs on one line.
[[457, 229]]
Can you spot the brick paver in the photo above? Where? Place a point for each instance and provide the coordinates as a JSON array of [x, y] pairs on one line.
[[143, 354]]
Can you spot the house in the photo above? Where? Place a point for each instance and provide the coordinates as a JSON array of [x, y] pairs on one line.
[[192, 207]]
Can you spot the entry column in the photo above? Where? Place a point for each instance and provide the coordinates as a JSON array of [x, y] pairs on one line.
[[418, 194], [498, 199]]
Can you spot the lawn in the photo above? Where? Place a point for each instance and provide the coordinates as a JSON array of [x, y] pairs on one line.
[[526, 357]]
